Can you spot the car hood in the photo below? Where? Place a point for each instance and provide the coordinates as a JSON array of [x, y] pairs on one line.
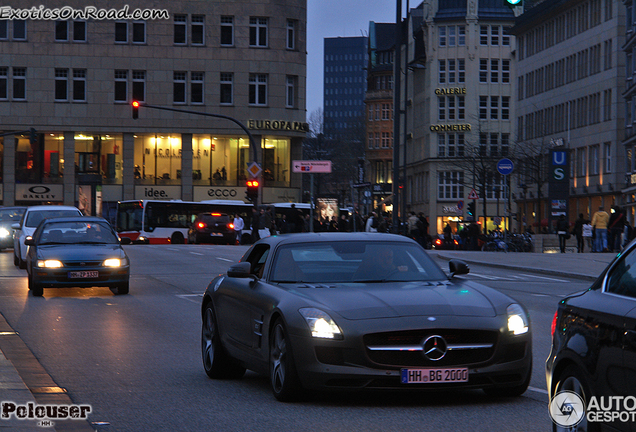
[[84, 252], [357, 301]]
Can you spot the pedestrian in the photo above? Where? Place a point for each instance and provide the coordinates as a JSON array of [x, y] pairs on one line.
[[599, 223], [413, 229], [265, 223], [283, 226], [562, 227], [255, 225], [239, 224], [578, 232], [372, 223], [615, 229], [587, 232], [333, 224]]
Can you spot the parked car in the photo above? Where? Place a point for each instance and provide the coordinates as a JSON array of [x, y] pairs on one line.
[[594, 341], [29, 222], [212, 228], [9, 216], [76, 252], [361, 311]]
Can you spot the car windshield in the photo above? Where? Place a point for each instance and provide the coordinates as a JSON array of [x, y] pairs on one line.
[[353, 261], [76, 233], [10, 215], [215, 218], [34, 218]]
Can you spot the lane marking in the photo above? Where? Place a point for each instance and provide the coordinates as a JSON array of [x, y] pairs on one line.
[[196, 253], [194, 298], [224, 259], [541, 277], [538, 390]]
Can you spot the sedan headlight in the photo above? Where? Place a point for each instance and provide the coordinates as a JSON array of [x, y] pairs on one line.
[[114, 262], [4, 233], [49, 263], [320, 324], [517, 319]]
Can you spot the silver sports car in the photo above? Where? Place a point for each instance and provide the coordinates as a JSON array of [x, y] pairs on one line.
[[361, 311]]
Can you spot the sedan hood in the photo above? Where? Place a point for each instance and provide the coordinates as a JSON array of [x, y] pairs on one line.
[[85, 252], [389, 300]]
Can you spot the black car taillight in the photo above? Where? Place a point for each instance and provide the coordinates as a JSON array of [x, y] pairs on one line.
[[554, 323], [230, 226], [201, 225]]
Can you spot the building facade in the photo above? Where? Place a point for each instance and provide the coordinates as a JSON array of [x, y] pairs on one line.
[[570, 98], [459, 106], [72, 80], [629, 141]]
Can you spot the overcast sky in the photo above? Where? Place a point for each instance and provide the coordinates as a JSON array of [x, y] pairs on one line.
[[333, 18]]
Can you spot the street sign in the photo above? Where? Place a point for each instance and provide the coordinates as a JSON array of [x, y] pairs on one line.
[[254, 169], [473, 194], [505, 166], [311, 166]]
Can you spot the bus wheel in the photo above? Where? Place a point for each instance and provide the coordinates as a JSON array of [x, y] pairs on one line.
[[177, 238]]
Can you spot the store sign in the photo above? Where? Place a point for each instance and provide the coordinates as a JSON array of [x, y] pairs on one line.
[[39, 192], [465, 127], [451, 91], [455, 210], [204, 193], [278, 125], [157, 192]]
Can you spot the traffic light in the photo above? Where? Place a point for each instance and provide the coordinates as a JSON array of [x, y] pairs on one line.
[[251, 194], [470, 210], [135, 107], [513, 3], [33, 137]]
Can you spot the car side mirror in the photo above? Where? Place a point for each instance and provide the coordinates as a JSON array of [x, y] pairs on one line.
[[15, 226], [28, 241], [240, 270], [458, 267], [125, 241]]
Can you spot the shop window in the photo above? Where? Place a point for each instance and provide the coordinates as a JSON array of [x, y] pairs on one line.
[[276, 162], [157, 159]]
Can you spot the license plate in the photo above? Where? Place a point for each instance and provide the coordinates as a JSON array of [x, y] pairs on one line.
[[216, 234], [83, 274], [434, 376]]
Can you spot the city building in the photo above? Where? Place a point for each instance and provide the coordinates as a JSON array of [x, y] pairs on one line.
[[629, 141], [66, 86], [570, 99]]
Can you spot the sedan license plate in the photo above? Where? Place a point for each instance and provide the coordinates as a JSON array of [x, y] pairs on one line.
[[434, 376], [85, 274], [216, 234]]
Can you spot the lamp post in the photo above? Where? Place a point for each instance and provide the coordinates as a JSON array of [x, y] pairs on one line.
[[397, 115]]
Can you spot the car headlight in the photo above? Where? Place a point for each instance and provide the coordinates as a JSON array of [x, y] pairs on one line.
[[517, 319], [50, 263], [4, 233], [320, 324], [114, 262]]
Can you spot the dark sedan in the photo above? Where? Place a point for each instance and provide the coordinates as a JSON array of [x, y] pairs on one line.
[[592, 363], [212, 228], [361, 311], [9, 216], [76, 252]]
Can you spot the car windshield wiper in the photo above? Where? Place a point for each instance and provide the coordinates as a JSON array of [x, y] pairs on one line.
[[52, 243], [92, 242], [286, 281]]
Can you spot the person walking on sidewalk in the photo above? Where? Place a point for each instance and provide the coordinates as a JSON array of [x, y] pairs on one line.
[[578, 232], [615, 229], [562, 228], [599, 222]]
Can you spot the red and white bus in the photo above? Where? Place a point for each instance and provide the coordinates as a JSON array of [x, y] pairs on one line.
[[163, 222]]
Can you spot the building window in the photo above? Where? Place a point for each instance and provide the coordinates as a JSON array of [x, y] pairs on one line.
[[196, 88], [121, 32], [494, 71], [461, 35], [505, 71], [483, 70], [258, 89], [61, 31], [442, 36], [179, 87], [198, 29], [258, 32], [227, 92], [19, 83], [290, 84], [450, 185], [291, 35], [61, 85], [139, 85], [505, 107], [442, 71], [4, 84], [227, 30], [386, 111], [79, 31], [121, 86], [441, 145], [594, 160], [608, 157], [483, 35], [483, 107], [386, 140], [139, 32], [180, 29], [79, 85], [452, 38], [494, 35], [370, 140], [19, 29], [441, 108]]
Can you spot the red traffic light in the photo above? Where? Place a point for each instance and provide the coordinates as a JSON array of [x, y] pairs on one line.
[[252, 183], [135, 109], [135, 104]]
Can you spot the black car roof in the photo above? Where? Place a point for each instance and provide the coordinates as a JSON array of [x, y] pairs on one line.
[[333, 236]]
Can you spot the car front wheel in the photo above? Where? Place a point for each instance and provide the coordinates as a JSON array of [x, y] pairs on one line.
[[283, 375], [573, 380], [36, 289], [216, 362]]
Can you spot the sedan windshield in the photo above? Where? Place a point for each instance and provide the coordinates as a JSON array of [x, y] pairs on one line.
[[76, 233], [363, 261]]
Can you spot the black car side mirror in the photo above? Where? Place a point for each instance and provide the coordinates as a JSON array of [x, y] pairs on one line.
[[458, 267], [241, 270], [28, 241], [125, 241]]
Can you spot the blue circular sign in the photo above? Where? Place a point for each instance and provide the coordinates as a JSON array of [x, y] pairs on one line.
[[505, 166]]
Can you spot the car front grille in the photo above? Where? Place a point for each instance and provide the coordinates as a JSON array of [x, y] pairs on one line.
[[406, 348], [83, 264]]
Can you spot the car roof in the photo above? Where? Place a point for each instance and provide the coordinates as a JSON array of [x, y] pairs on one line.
[[76, 219], [334, 237], [51, 207]]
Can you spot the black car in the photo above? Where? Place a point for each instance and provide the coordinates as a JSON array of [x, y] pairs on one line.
[[9, 216], [594, 348], [353, 311], [76, 252], [212, 228]]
